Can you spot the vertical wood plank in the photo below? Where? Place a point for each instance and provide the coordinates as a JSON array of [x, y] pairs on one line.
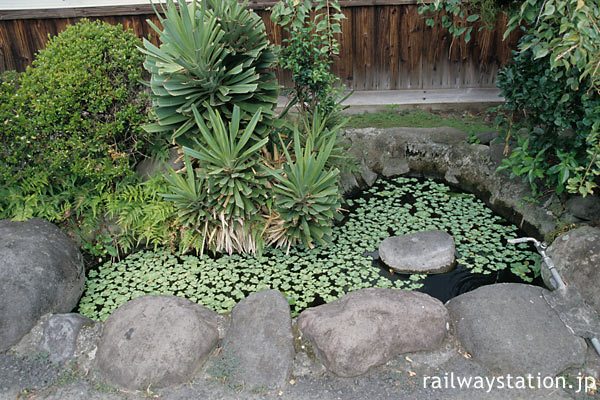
[[6, 54], [364, 58], [388, 47], [342, 65], [411, 32]]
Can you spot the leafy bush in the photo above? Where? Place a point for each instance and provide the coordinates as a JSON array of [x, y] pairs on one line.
[[213, 91], [559, 144], [307, 193], [308, 52], [460, 17], [550, 116], [71, 131], [220, 207], [213, 54]]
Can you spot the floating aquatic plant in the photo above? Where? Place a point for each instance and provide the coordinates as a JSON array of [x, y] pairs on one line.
[[309, 277]]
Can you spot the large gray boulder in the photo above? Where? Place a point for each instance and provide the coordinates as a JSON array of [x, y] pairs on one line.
[[258, 349], [41, 271], [368, 327], [59, 340], [156, 341], [510, 329], [427, 252], [576, 255]]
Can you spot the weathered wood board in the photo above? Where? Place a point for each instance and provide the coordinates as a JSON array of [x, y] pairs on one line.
[[385, 44]]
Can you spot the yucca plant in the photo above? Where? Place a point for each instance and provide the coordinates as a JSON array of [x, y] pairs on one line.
[[307, 193], [232, 163], [221, 206], [319, 129], [190, 196], [214, 53]]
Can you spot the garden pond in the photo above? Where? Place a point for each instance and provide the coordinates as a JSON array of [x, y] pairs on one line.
[[310, 277]]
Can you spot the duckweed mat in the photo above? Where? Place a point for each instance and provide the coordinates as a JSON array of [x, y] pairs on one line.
[[310, 277]]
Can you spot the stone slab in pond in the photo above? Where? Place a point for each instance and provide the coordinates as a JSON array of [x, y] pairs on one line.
[[510, 329], [156, 341], [427, 252], [368, 327]]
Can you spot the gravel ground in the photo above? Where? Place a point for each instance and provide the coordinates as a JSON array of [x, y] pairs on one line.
[[402, 378]]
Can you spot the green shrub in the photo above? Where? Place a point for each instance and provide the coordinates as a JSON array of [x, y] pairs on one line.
[[308, 196], [549, 116], [552, 88], [213, 91], [308, 53], [220, 207], [71, 132], [214, 54], [83, 99]]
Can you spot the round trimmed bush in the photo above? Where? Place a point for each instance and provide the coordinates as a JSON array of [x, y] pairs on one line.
[[83, 103]]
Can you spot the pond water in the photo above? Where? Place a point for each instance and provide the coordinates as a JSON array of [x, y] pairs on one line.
[[309, 277]]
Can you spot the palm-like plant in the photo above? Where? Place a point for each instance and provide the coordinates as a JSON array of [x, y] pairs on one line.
[[232, 163], [307, 193], [191, 199], [211, 56], [222, 204]]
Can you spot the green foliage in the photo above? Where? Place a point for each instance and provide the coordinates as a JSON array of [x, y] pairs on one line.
[[214, 91], [310, 276], [220, 207], [459, 17], [71, 135], [550, 116], [560, 56], [213, 54], [320, 130], [564, 35], [307, 192], [79, 107], [190, 197], [231, 161], [307, 52], [566, 31]]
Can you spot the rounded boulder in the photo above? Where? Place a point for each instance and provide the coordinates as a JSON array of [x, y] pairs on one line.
[[41, 271], [156, 341], [427, 252], [368, 327]]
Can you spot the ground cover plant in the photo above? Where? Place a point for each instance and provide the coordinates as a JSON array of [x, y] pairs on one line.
[[309, 277]]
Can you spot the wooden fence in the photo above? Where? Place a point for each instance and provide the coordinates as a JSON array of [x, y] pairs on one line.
[[384, 45]]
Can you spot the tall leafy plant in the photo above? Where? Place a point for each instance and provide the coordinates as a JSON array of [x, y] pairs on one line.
[[214, 53], [71, 135], [547, 120], [552, 89], [222, 203], [307, 192], [312, 26]]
